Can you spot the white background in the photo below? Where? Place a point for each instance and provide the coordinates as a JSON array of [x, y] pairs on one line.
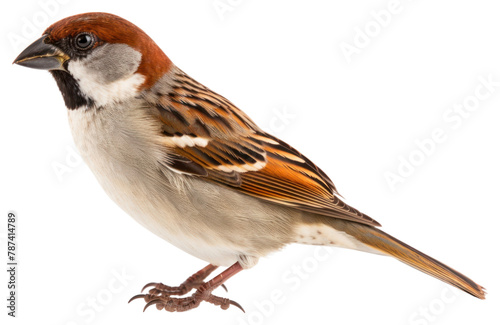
[[354, 119]]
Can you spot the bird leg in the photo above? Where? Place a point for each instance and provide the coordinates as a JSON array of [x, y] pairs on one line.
[[194, 281], [160, 294]]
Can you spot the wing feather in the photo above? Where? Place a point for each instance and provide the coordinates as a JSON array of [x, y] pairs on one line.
[[207, 136]]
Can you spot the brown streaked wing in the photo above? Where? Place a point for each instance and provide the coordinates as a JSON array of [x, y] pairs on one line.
[[235, 152], [289, 177]]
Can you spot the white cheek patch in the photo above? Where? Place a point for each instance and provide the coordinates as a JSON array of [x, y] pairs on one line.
[[105, 93], [319, 234]]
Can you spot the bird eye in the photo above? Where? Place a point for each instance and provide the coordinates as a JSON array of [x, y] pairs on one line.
[[84, 41]]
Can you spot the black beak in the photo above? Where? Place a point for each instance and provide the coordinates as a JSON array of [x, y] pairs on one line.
[[40, 55]]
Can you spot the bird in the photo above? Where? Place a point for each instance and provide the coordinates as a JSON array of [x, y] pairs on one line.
[[194, 169]]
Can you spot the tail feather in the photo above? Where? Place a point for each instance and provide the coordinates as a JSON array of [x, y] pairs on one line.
[[391, 246]]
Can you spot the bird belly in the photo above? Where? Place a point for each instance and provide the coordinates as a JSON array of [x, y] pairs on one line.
[[206, 220]]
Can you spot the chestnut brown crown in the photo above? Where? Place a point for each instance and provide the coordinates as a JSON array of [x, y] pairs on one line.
[[109, 28]]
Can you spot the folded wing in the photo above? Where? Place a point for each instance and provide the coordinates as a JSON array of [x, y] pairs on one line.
[[206, 136]]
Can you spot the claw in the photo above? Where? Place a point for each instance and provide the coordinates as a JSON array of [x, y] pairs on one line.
[[150, 284], [234, 303], [152, 302], [136, 297], [161, 295]]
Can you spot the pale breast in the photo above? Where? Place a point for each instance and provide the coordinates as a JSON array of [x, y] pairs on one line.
[[206, 220]]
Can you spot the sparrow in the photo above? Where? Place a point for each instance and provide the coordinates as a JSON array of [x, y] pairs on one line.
[[191, 167]]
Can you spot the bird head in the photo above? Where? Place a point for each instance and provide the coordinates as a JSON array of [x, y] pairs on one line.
[[97, 59]]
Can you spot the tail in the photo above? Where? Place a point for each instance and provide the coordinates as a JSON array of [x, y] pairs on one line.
[[388, 245]]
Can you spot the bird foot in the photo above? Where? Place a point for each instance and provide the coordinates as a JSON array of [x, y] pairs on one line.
[[160, 289], [203, 293], [193, 282], [160, 294]]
